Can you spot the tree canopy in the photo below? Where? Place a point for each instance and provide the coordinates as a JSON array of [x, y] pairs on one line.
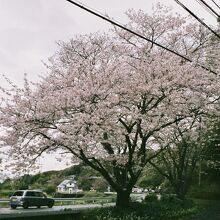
[[107, 96]]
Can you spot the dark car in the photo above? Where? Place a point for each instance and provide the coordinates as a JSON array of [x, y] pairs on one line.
[[27, 198]]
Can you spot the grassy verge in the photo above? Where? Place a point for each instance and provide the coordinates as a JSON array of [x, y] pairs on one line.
[[151, 209], [207, 210]]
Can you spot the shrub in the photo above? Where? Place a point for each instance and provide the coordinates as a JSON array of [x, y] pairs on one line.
[[206, 191], [6, 193], [50, 189], [171, 198], [155, 210], [95, 194], [151, 198]]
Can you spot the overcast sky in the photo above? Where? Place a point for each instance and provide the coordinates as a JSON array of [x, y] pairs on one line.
[[29, 30]]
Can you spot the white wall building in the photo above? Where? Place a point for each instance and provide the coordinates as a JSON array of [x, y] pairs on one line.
[[69, 186]]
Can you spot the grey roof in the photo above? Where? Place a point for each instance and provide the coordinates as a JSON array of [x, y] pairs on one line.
[[65, 182]]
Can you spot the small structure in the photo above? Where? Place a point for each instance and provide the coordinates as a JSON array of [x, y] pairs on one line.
[[137, 189], [68, 186]]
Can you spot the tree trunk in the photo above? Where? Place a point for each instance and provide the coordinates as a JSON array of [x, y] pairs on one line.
[[180, 190], [123, 199]]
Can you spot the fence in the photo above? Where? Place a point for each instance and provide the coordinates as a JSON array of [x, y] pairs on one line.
[[84, 200], [73, 201]]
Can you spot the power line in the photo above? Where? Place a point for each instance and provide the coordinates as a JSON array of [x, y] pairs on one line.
[[197, 18], [135, 33], [210, 8], [125, 28], [216, 4]]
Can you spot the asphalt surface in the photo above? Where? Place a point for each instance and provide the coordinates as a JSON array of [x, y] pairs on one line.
[[44, 211]]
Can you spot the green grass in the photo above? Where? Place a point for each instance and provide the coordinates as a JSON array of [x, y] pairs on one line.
[[151, 209], [4, 205], [207, 210]]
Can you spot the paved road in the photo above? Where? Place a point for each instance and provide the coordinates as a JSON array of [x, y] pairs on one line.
[[20, 212]]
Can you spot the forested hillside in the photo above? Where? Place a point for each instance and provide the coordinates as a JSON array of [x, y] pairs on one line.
[[48, 181]]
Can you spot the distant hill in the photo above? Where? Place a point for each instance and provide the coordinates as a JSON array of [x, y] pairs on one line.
[[48, 181]]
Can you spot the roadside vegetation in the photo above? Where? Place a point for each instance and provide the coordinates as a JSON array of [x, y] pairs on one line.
[[132, 115], [150, 209], [202, 196], [120, 104], [48, 181]]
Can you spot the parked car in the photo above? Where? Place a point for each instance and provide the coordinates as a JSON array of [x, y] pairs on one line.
[[27, 198]]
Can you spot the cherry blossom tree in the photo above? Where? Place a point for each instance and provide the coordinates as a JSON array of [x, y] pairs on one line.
[[211, 153], [178, 161], [213, 58], [107, 96], [1, 169], [3, 165]]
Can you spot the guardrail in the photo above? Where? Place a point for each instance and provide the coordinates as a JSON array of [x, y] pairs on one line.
[[4, 200], [74, 200], [86, 200]]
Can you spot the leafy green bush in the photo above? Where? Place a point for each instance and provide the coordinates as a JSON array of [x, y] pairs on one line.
[[95, 194], [7, 185], [150, 179], [6, 193], [50, 189], [209, 191], [155, 210], [151, 198], [172, 201]]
